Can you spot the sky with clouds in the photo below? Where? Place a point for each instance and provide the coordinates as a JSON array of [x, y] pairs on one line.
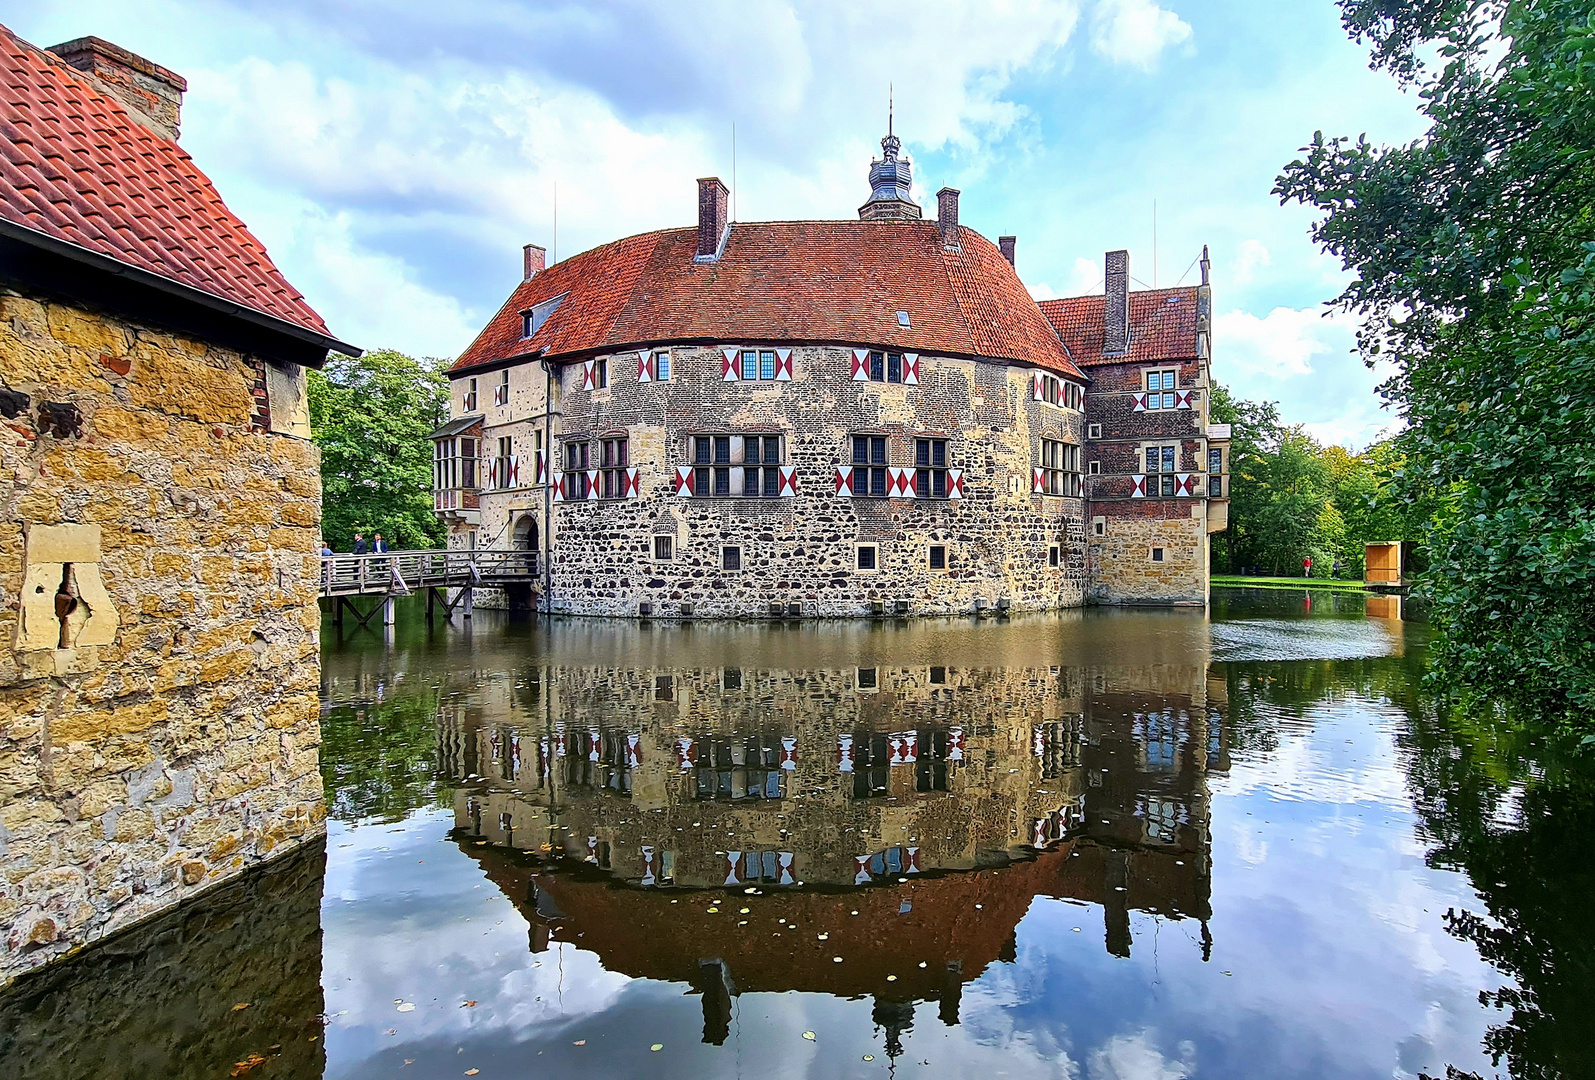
[[395, 154]]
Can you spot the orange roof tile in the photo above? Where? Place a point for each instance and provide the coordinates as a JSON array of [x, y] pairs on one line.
[[76, 167], [818, 281], [1163, 325]]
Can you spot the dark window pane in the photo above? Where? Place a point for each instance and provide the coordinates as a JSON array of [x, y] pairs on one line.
[[866, 558], [701, 449], [922, 452], [772, 449], [1168, 484], [731, 558], [750, 481], [1168, 459], [722, 481], [938, 561], [877, 364], [860, 450], [922, 483], [938, 487], [877, 482], [722, 449], [700, 481], [772, 481], [750, 449], [894, 368], [1151, 459], [878, 451], [938, 453]]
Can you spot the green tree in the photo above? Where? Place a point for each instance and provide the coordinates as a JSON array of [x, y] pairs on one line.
[[371, 417], [1474, 254]]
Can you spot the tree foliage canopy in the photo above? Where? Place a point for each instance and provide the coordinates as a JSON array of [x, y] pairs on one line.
[[1474, 255], [371, 417]]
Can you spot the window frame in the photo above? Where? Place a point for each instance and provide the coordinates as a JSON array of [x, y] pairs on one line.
[[1166, 466], [1166, 390], [874, 466], [875, 558], [661, 365], [614, 462], [669, 541], [1054, 556], [726, 558], [930, 476], [930, 558], [1060, 466]]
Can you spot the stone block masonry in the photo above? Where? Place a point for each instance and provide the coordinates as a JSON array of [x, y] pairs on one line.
[[159, 668]]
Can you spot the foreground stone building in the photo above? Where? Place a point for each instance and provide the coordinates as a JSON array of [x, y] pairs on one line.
[[158, 570], [835, 418]]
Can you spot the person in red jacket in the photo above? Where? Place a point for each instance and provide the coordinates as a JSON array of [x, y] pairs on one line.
[[1307, 566]]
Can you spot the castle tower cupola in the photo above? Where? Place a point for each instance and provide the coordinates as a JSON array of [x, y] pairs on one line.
[[891, 181]]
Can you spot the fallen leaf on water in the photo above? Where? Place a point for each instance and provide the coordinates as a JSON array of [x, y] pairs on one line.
[[250, 1063], [472, 1072], [809, 1035], [468, 1005], [869, 1057], [407, 1006], [391, 1031], [409, 1061], [579, 1042], [241, 1005], [657, 1047]]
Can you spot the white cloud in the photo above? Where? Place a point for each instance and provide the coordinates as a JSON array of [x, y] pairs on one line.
[[1133, 1057], [1135, 32], [1283, 342], [1249, 257]]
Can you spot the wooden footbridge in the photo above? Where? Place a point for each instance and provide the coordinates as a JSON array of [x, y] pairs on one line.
[[438, 572]]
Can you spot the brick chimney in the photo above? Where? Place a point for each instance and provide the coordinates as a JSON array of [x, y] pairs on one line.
[[153, 94], [947, 216], [535, 258], [1005, 244], [1116, 305], [713, 204]]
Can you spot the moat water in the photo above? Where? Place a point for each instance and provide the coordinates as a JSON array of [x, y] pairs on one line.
[[1105, 845]]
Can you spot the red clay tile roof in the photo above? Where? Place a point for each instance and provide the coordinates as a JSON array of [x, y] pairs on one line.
[[76, 167], [1162, 326], [821, 281]]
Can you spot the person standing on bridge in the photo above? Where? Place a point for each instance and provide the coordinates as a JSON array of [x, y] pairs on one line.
[[379, 546], [360, 545]]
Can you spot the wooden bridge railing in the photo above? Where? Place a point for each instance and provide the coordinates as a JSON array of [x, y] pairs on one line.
[[405, 571]]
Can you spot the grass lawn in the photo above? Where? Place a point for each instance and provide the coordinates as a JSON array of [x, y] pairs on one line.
[[1288, 583]]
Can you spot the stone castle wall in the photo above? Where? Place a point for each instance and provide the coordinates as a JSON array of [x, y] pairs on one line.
[[173, 742], [802, 549]]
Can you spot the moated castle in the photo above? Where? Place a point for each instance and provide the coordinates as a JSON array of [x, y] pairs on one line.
[[835, 419]]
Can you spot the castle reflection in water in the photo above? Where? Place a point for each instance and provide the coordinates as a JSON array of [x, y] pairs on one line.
[[736, 816]]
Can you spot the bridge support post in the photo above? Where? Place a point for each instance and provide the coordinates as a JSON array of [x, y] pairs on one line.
[[387, 611], [468, 602]]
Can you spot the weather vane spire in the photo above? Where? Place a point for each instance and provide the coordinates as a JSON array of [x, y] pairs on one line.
[[888, 108]]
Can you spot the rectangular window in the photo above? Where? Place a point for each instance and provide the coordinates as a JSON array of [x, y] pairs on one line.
[[722, 481], [1215, 459], [867, 556], [877, 367], [866, 680], [1093, 431], [664, 547], [469, 401], [600, 374], [1099, 527], [506, 447], [757, 451], [930, 468], [1161, 460], [731, 679], [1157, 554], [576, 463], [731, 558], [750, 364], [938, 556], [1093, 468], [722, 449], [527, 330], [747, 465], [1052, 555], [700, 483], [869, 465], [1163, 381], [615, 457], [766, 363], [662, 367], [938, 676], [894, 367], [700, 449], [501, 392], [1060, 464]]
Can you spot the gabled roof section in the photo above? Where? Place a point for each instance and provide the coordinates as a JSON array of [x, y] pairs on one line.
[[1163, 326], [811, 281], [76, 168]]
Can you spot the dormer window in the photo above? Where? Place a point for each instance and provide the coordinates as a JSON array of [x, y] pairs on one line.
[[533, 318], [902, 320]]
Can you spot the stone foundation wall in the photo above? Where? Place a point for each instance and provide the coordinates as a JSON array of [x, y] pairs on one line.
[[802, 549], [173, 741], [1123, 570]]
